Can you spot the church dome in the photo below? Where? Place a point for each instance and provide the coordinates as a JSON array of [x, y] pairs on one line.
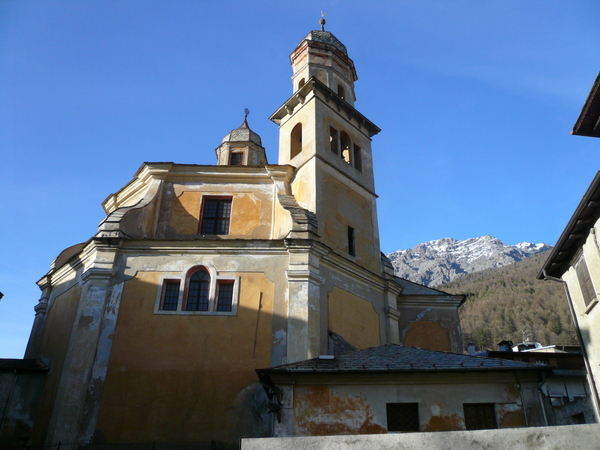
[[243, 134], [325, 37]]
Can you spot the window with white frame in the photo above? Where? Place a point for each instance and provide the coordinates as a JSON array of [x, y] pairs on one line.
[[200, 290]]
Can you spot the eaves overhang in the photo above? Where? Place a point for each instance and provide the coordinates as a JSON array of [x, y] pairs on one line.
[[314, 85], [575, 233], [588, 123]]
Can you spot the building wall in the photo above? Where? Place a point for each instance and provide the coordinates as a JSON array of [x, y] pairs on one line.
[[56, 336], [588, 317], [165, 367], [430, 327], [346, 407], [19, 396]]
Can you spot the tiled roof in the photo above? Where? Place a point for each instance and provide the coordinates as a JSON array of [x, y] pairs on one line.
[[243, 134], [327, 38], [398, 358]]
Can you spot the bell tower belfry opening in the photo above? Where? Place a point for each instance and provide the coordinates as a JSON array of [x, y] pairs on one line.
[[329, 143]]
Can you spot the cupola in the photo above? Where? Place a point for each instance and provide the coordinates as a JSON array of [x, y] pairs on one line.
[[241, 147], [321, 55]]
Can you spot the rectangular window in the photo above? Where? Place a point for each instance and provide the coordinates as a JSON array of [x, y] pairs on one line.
[[585, 281], [403, 416], [351, 247], [479, 416], [170, 295], [224, 295], [357, 158], [237, 158], [216, 213]]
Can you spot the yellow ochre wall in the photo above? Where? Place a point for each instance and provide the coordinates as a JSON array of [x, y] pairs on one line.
[[166, 369], [342, 207], [53, 347], [250, 214], [353, 318]]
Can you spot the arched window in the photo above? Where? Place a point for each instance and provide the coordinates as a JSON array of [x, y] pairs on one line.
[[341, 92], [346, 146], [296, 140], [197, 289], [333, 140], [301, 83]]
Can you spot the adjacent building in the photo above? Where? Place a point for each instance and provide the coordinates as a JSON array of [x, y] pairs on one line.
[[575, 260]]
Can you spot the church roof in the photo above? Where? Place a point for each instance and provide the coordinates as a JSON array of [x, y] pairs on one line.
[[399, 358], [327, 38], [243, 134]]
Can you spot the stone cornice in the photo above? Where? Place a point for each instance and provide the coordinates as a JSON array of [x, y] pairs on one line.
[[437, 301], [315, 86]]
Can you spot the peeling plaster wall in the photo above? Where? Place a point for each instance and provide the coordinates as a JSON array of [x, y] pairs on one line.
[[359, 405], [430, 327]]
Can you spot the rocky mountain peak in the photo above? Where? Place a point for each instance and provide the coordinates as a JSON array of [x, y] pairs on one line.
[[437, 262]]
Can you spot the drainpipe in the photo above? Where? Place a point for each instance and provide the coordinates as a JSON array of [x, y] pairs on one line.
[[580, 337], [520, 386], [541, 397], [10, 394]]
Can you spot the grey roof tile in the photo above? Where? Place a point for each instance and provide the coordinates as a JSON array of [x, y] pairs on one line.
[[398, 358]]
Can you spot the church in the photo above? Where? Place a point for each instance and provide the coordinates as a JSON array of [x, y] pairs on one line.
[[200, 275]]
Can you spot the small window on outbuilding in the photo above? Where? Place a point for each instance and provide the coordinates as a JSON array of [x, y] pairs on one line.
[[480, 416], [296, 141], [346, 146], [402, 417]]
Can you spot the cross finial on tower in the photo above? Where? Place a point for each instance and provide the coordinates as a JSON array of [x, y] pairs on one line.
[[246, 112], [322, 20]]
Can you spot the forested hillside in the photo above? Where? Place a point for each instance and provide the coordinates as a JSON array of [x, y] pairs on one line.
[[509, 303]]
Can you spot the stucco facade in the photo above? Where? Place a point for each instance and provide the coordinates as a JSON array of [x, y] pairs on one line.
[[153, 328]]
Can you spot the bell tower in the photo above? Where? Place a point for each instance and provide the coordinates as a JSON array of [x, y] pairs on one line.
[[329, 142]]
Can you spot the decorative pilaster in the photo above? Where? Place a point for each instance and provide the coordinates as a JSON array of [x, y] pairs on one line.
[[307, 338], [88, 339], [33, 346]]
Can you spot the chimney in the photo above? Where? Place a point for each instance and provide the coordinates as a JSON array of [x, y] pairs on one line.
[[471, 348]]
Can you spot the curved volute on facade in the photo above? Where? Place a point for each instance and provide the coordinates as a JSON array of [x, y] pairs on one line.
[[241, 147], [321, 55]]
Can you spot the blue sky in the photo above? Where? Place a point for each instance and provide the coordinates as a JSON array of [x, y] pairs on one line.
[[475, 100]]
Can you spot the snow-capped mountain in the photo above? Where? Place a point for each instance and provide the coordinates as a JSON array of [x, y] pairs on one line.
[[437, 262]]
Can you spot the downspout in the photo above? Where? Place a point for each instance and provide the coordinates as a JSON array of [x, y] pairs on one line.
[[580, 337], [541, 397], [10, 394], [521, 397]]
